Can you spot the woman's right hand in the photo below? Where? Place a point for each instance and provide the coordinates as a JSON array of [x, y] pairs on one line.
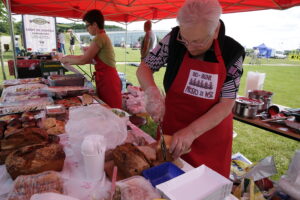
[[155, 103]]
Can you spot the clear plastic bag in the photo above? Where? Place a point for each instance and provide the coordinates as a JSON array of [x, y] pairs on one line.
[[290, 183], [25, 106], [95, 119], [26, 186], [137, 188], [51, 196], [23, 89]]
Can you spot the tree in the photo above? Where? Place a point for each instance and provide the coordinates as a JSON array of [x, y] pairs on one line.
[[4, 27]]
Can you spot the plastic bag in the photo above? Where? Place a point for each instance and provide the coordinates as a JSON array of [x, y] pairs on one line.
[[137, 188], [6, 183], [254, 81], [84, 121], [95, 119], [51, 196], [26, 186], [290, 183], [76, 183], [135, 102], [243, 168]]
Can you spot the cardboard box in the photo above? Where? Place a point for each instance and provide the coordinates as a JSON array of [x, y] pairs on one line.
[[199, 183]]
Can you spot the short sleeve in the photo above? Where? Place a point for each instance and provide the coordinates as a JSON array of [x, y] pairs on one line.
[[159, 55], [232, 83]]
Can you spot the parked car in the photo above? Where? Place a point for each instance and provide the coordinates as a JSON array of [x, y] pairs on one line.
[[279, 54]]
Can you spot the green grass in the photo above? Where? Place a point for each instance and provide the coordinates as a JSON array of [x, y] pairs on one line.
[[254, 143]]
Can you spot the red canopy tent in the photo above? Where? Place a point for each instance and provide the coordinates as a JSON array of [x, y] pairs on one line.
[[133, 10]]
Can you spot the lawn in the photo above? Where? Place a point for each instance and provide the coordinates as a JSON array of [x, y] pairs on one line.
[[282, 78]]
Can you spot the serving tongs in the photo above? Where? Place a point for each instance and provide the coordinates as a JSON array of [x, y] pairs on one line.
[[162, 143]]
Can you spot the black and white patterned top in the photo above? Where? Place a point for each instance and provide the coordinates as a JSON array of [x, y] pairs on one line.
[[159, 55]]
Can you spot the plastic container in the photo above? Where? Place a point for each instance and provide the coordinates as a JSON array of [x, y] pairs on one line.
[[93, 152], [54, 110], [66, 80], [162, 173]]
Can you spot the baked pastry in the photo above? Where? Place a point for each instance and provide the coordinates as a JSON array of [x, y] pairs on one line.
[[12, 126], [26, 186], [130, 160], [21, 138], [69, 102], [87, 99], [49, 122], [8, 118], [2, 128], [29, 123], [54, 126], [35, 159]]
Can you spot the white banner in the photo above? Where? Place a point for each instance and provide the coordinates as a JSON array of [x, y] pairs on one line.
[[40, 33]]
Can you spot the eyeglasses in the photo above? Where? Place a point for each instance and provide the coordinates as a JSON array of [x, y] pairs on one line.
[[194, 43]]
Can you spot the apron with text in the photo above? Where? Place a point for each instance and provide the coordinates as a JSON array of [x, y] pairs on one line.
[[196, 89], [108, 84]]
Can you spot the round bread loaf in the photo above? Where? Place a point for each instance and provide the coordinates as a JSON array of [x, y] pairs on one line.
[[35, 159]]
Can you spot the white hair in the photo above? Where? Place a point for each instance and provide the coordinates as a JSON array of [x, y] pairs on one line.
[[205, 11]]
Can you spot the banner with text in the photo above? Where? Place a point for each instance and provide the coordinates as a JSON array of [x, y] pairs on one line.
[[40, 33]]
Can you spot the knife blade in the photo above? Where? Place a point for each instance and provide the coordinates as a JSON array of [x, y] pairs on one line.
[[162, 143]]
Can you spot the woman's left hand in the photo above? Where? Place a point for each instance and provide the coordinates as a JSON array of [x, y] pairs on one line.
[[181, 142]]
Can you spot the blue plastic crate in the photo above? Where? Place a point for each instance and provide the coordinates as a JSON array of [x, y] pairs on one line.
[[162, 173]]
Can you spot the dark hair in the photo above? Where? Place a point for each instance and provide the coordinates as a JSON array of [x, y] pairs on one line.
[[94, 16]]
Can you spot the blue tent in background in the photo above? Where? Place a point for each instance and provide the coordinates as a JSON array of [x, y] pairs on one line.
[[264, 51]]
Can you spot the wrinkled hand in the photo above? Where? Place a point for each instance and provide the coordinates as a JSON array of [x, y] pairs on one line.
[[181, 142], [155, 103]]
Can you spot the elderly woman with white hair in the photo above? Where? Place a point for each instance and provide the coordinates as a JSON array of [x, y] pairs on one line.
[[201, 81]]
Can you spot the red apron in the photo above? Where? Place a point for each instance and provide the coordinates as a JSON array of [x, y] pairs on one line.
[[195, 90], [108, 84]]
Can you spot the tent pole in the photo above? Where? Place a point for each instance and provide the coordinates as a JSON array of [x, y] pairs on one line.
[[12, 36], [125, 49], [2, 64]]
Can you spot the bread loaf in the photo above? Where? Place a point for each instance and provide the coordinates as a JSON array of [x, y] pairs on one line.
[[26, 186], [35, 159], [20, 138], [130, 160]]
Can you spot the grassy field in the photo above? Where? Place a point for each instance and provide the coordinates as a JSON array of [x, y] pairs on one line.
[[282, 78]]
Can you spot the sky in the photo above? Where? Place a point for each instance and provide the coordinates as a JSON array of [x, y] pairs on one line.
[[278, 29]]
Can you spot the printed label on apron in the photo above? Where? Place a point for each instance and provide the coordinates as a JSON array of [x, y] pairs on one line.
[[201, 84]]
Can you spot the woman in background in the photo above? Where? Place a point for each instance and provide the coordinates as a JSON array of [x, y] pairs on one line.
[[101, 50]]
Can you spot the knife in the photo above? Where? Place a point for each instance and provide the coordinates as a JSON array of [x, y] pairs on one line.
[[162, 143]]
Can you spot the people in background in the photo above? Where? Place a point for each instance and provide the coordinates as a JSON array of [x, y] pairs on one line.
[[61, 40], [17, 46], [149, 40], [201, 81], [101, 50], [72, 41]]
